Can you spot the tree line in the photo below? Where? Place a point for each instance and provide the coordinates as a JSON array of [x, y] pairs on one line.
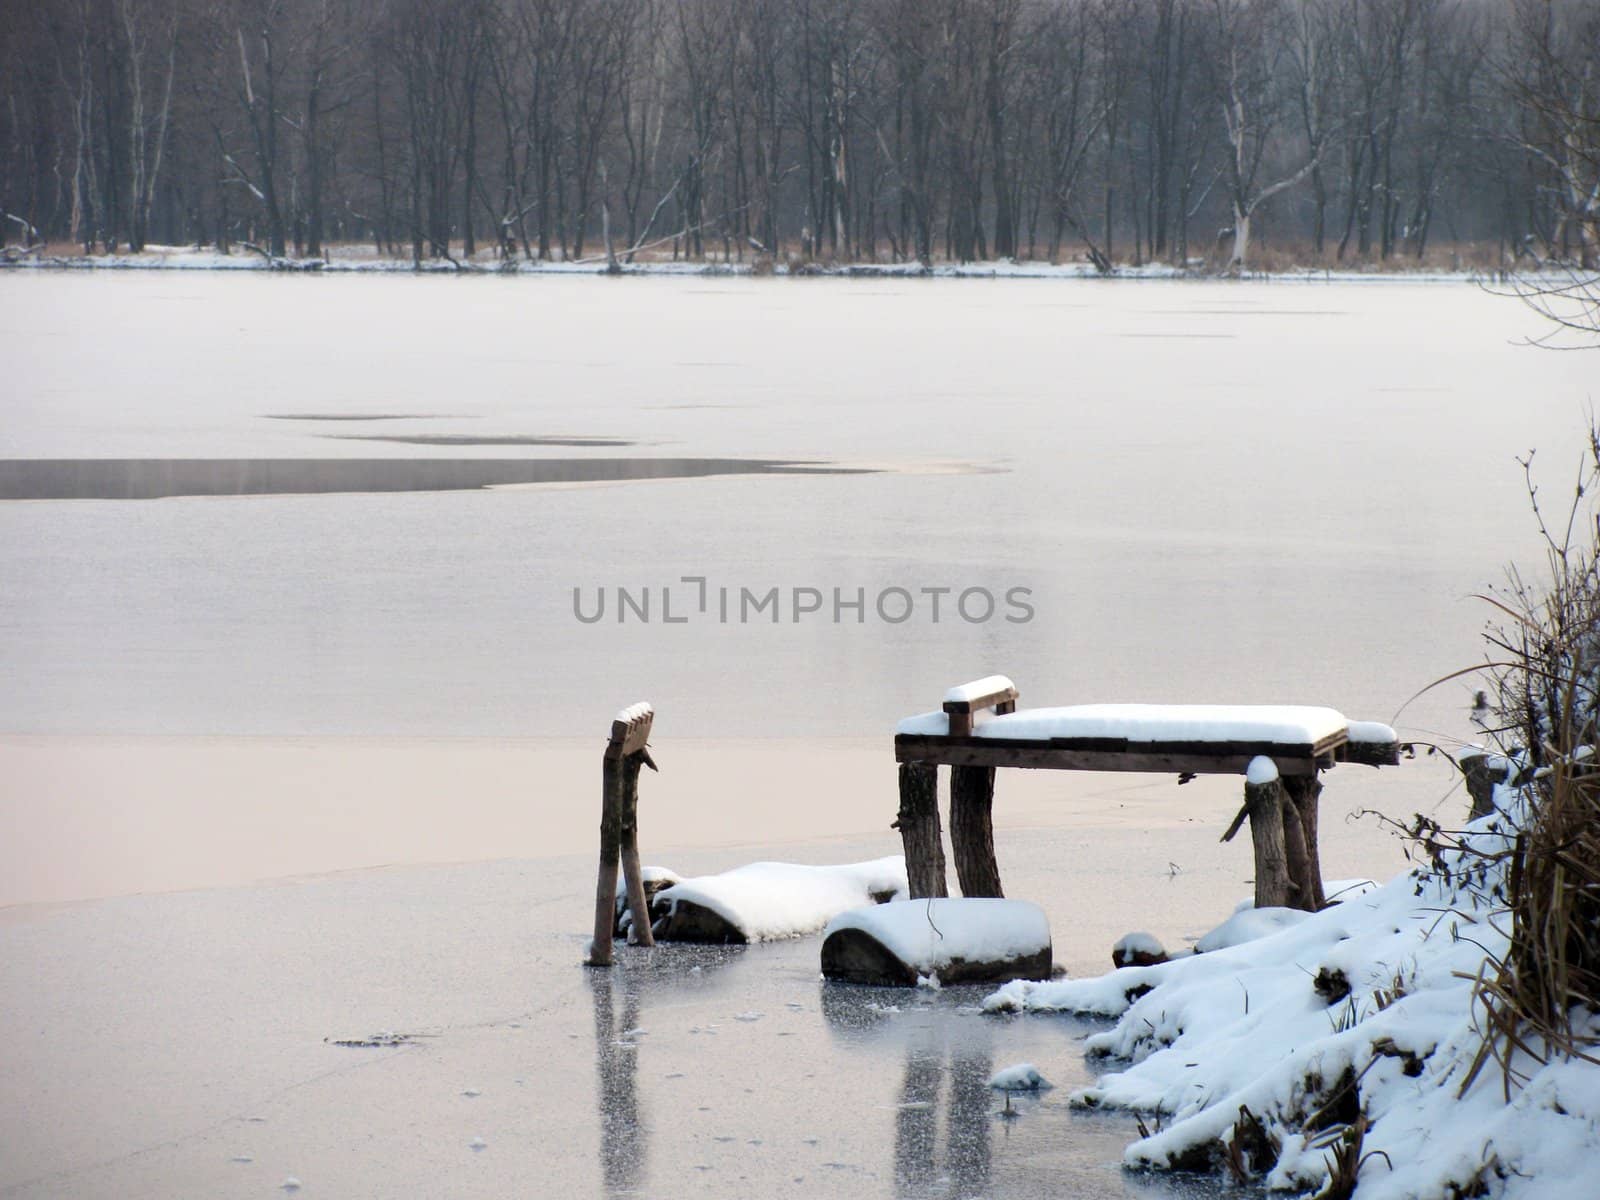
[[832, 130]]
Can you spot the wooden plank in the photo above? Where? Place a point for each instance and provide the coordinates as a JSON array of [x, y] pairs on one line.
[[1038, 755], [999, 696]]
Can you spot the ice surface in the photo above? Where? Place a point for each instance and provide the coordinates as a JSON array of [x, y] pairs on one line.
[[928, 935], [222, 615], [769, 900]]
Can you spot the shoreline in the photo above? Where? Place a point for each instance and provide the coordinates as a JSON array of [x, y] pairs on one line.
[[168, 259]]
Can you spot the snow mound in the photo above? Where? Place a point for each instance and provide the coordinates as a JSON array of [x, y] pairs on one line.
[[1372, 731], [1247, 925], [1261, 1053], [766, 901], [1261, 770], [947, 937], [1024, 1077]]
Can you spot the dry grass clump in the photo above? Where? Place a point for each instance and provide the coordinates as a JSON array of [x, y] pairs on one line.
[[1538, 998]]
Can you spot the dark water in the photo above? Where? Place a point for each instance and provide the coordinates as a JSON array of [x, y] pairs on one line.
[[155, 478]]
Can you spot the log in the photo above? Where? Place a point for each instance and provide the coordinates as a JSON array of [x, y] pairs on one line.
[[610, 847], [633, 876], [1302, 794], [972, 831], [1265, 802], [918, 823]]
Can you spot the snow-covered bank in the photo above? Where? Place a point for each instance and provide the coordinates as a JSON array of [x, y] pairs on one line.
[[346, 260], [1352, 1029]]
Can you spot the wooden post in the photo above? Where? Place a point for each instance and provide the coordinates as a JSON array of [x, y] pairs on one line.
[[1301, 796], [633, 876], [1265, 804], [625, 753], [972, 830], [919, 829], [1482, 778], [605, 893]]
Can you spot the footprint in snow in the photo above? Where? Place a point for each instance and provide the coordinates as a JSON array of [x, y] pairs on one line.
[[290, 1184], [471, 1093], [749, 1016], [477, 1143]]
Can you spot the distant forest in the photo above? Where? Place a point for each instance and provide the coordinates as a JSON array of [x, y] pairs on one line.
[[1353, 131]]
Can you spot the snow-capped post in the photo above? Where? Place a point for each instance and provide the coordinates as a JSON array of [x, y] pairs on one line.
[[918, 822], [625, 753], [1263, 797]]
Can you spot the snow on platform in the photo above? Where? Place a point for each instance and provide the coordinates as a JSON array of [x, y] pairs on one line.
[[1289, 724], [966, 693], [766, 901], [941, 940]]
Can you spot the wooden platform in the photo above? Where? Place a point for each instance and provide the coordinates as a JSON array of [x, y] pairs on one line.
[[1123, 754], [980, 729]]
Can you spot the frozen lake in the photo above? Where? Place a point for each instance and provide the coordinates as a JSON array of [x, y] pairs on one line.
[[238, 645], [1217, 492]]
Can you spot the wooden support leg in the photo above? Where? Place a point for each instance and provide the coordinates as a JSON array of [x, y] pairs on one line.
[[919, 829], [1301, 795], [1265, 804], [605, 894], [632, 876], [972, 830]]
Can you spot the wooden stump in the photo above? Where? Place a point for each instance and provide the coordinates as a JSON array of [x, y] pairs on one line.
[[1264, 801], [918, 823], [972, 830], [1481, 781], [605, 896], [632, 874], [625, 753], [1301, 796]]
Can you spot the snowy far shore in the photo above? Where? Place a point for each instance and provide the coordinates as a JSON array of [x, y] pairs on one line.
[[348, 260]]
